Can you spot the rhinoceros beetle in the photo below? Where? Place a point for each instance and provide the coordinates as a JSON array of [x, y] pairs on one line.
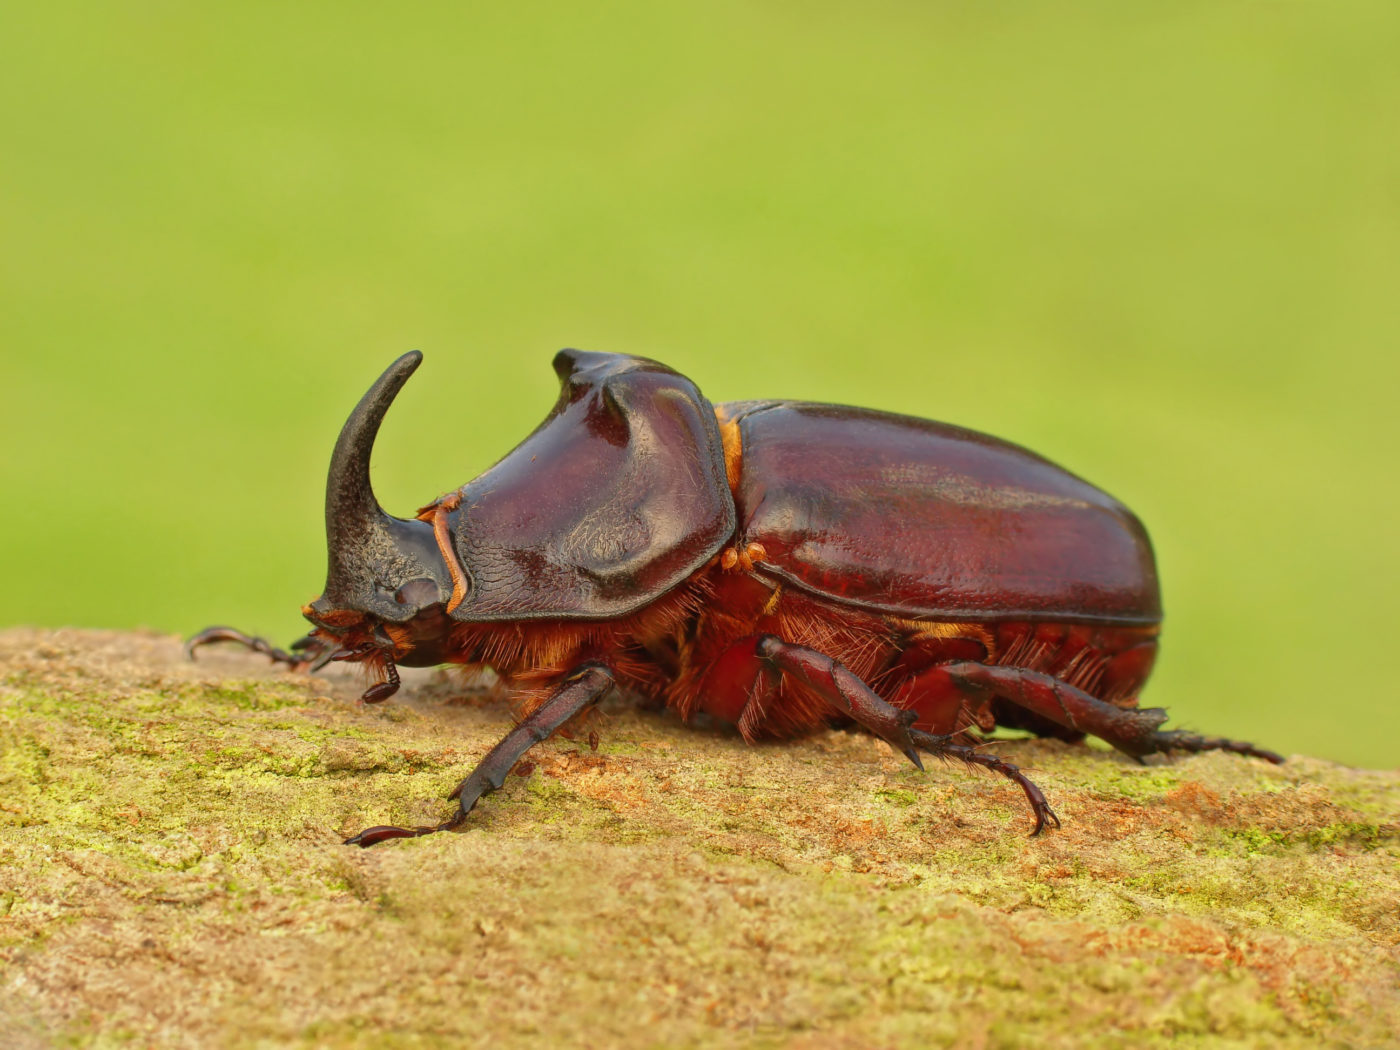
[[778, 565]]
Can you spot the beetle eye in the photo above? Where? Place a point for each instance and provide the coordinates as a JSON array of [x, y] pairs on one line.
[[418, 592]]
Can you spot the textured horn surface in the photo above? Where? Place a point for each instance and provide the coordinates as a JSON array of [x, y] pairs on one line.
[[358, 532]]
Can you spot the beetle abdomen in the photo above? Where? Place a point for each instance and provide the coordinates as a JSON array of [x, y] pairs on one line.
[[931, 521]]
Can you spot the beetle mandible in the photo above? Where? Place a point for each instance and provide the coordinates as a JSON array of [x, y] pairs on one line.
[[779, 565]]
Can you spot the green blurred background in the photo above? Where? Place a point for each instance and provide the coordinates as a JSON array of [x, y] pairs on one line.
[[1157, 243]]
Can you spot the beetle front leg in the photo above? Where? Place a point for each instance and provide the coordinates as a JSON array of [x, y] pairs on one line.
[[846, 691], [306, 650], [583, 688]]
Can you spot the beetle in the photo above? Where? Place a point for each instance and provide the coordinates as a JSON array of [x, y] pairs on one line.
[[778, 565]]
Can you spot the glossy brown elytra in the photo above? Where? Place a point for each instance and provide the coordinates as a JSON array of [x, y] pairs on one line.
[[776, 564]]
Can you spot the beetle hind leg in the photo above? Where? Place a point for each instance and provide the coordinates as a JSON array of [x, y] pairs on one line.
[[1183, 740], [1135, 731]]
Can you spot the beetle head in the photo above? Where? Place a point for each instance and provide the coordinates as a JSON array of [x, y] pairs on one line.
[[386, 567]]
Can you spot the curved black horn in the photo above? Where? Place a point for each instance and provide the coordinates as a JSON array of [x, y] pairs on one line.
[[353, 515]]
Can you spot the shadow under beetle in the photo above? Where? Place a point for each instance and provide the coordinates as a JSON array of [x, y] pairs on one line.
[[778, 565]]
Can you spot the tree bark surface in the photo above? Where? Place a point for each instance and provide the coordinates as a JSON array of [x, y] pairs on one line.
[[172, 874]]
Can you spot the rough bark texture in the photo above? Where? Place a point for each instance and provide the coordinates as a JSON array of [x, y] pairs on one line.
[[171, 874]]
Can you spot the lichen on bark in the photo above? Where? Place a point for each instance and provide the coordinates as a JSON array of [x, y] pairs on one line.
[[173, 875]]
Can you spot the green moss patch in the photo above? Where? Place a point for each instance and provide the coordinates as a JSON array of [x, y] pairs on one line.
[[173, 875]]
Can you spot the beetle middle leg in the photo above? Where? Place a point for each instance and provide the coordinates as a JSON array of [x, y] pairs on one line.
[[847, 692], [583, 688], [309, 653], [1134, 730]]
